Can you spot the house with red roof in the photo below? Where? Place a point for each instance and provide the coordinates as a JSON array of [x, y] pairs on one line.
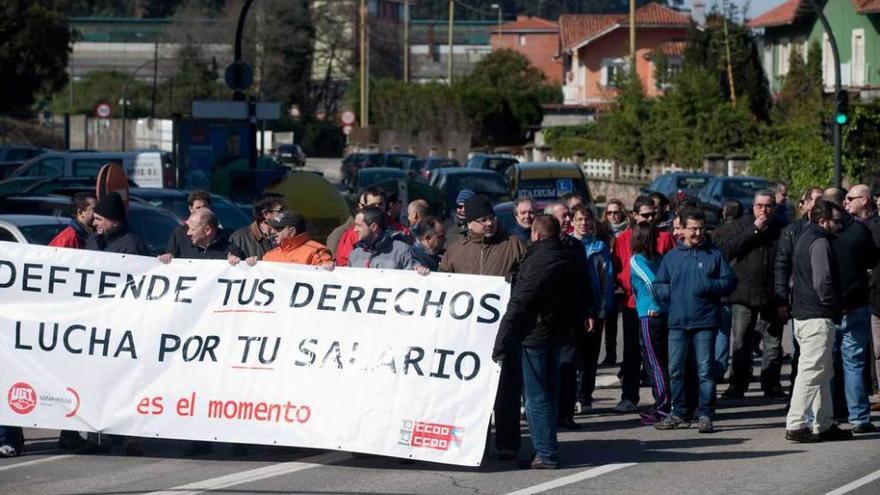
[[793, 25], [536, 38], [594, 48]]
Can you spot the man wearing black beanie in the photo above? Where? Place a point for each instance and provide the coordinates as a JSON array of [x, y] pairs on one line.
[[111, 233], [484, 250]]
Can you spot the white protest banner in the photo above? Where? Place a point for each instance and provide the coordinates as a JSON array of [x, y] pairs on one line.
[[377, 361]]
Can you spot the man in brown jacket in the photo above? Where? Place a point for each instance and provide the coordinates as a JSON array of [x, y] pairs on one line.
[[486, 251]]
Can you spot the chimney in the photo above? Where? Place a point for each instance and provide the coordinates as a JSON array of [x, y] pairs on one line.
[[698, 12]]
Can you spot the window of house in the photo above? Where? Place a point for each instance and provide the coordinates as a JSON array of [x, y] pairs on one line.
[[522, 40], [858, 57], [784, 51], [665, 71], [612, 69]]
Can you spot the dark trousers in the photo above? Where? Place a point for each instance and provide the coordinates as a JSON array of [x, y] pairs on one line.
[[578, 363], [632, 356], [610, 328], [507, 402], [655, 343], [746, 322]]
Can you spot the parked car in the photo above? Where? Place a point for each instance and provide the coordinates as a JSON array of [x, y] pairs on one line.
[[291, 155], [423, 168], [674, 182], [547, 181], [718, 189], [146, 168], [449, 181], [395, 160], [65, 186], [153, 225], [355, 161], [31, 229], [228, 214], [498, 163], [367, 177], [19, 153]]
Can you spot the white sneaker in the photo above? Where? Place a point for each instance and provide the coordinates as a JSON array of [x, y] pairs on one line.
[[626, 406]]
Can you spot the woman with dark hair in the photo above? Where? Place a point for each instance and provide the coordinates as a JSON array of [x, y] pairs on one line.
[[652, 318]]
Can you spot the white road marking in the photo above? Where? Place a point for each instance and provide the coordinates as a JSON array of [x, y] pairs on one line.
[[574, 478], [35, 461], [856, 484], [248, 476]]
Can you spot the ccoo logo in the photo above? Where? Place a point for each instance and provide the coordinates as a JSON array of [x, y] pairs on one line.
[[22, 398]]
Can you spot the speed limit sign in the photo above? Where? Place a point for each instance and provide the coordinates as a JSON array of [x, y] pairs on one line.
[[348, 117], [102, 110]]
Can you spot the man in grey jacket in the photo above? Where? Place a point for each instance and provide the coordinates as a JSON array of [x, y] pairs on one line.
[[815, 308], [376, 248]]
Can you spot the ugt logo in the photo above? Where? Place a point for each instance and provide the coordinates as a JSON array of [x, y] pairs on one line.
[[22, 398]]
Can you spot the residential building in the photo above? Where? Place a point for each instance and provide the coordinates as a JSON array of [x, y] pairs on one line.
[[536, 38], [595, 48], [793, 25], [429, 48]]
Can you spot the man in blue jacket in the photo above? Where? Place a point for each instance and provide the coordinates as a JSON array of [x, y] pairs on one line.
[[693, 278]]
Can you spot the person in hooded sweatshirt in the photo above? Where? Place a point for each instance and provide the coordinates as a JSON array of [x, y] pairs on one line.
[[692, 279]]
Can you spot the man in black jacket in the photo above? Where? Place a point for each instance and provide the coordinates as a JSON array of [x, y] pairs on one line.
[[541, 316], [205, 241], [750, 248], [815, 307], [855, 254], [111, 233]]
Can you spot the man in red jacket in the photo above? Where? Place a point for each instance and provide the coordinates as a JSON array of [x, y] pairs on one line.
[[82, 210], [643, 211]]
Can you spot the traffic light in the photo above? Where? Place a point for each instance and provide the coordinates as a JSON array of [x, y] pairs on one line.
[[841, 107]]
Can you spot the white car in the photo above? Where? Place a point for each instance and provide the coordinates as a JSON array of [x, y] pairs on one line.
[[31, 229]]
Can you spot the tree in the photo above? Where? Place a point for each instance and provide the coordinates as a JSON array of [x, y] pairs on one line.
[[286, 36], [194, 80], [799, 102], [622, 128], [103, 86], [33, 53], [503, 97]]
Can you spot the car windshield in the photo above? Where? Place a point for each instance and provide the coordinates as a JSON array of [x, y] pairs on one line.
[[41, 234], [397, 160], [481, 184], [154, 227], [416, 164], [742, 188], [690, 182], [551, 189], [499, 164]]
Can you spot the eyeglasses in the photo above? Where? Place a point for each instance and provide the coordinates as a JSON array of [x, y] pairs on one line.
[[647, 214], [853, 198]]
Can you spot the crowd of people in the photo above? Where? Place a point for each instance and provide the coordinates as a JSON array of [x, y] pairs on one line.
[[689, 302]]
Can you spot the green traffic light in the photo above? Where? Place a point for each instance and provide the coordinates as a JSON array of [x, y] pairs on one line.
[[841, 119]]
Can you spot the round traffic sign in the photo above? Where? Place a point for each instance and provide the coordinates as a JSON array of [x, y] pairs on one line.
[[348, 117], [239, 76], [346, 129], [103, 110]]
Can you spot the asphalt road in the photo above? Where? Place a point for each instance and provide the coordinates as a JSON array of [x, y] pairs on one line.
[[611, 454]]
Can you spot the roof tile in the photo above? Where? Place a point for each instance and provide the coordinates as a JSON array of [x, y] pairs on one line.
[[575, 28]]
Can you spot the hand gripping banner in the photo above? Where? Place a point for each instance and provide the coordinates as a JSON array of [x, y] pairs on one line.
[[377, 361]]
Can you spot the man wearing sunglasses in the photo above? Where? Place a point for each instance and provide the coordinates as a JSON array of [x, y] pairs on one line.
[[643, 211]]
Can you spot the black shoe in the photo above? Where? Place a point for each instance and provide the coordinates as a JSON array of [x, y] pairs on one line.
[[834, 433], [804, 435], [864, 428], [733, 393], [198, 448], [569, 424], [536, 464]]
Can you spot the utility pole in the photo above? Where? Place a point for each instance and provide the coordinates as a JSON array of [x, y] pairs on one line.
[[406, 41], [155, 77], [729, 63], [835, 54], [632, 36], [449, 55], [365, 119]]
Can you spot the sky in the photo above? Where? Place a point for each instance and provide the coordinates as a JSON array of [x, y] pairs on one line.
[[755, 7]]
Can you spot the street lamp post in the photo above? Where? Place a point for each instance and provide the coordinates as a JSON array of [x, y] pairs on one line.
[[449, 55], [835, 54]]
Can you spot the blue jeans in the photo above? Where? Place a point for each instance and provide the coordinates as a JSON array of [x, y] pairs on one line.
[[540, 367], [722, 343], [850, 345], [12, 435], [703, 341]]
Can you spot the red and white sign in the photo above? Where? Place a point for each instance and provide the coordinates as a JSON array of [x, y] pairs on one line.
[[103, 110], [201, 350], [22, 398], [346, 129], [348, 117]]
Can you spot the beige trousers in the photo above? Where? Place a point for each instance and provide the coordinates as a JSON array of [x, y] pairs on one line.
[[811, 397]]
